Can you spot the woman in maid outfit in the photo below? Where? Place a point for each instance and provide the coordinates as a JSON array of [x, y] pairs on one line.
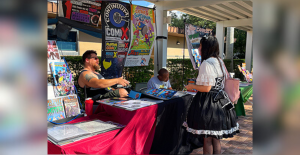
[[211, 114]]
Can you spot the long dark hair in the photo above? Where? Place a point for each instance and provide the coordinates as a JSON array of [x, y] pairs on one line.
[[210, 47]]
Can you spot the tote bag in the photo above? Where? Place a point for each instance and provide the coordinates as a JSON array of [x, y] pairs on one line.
[[232, 86]]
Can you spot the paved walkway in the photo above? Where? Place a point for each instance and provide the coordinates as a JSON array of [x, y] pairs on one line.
[[241, 143]]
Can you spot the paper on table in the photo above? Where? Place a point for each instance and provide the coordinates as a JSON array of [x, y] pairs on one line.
[[95, 126]]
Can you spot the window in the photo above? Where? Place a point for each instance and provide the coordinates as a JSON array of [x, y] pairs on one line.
[[64, 45]]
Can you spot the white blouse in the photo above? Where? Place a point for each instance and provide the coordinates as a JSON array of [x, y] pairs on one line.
[[208, 73]]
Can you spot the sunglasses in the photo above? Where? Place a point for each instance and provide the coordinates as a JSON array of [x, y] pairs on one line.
[[96, 58]]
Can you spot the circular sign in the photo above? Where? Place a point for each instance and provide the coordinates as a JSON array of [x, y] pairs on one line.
[[95, 19], [115, 17]]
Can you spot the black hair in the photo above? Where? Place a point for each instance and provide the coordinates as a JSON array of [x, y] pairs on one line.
[[162, 71], [87, 54], [210, 47]]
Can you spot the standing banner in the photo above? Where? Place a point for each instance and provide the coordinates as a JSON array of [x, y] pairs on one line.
[[193, 36], [115, 37], [142, 36], [84, 11]]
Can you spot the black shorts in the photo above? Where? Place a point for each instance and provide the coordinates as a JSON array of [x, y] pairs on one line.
[[114, 93]]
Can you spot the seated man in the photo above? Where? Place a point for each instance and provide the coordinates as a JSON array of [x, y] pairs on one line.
[[96, 86], [160, 81]]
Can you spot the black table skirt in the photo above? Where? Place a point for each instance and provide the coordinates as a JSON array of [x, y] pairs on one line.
[[170, 136]]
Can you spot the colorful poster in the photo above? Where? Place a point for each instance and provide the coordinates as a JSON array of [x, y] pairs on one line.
[[193, 36], [115, 38], [83, 11], [142, 36]]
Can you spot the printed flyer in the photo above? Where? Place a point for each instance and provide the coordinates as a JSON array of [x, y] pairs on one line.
[[87, 12], [142, 36]]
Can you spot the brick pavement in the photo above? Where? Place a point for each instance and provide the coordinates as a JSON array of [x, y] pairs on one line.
[[241, 143]]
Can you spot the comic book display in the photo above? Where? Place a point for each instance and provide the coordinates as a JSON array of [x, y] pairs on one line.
[[115, 37], [246, 73], [62, 101], [142, 36], [193, 36]]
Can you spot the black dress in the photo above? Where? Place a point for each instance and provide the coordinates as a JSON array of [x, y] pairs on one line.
[[211, 114]]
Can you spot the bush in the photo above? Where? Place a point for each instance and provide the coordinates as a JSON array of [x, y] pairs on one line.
[[175, 70], [237, 73]]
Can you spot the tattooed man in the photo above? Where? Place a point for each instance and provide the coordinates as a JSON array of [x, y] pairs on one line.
[[96, 86]]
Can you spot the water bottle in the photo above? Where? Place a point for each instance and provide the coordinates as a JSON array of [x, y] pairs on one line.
[[89, 106]]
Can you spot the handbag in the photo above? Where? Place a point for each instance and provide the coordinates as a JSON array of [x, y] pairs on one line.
[[231, 86]]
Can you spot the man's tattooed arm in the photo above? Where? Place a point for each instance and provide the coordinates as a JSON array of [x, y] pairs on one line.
[[89, 76]]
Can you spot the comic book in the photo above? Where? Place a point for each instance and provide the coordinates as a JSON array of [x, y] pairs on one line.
[[132, 104], [192, 81], [55, 109], [161, 93], [64, 90], [108, 101], [153, 92], [71, 107], [52, 54], [58, 68], [52, 50], [64, 85], [64, 79], [166, 93], [68, 97]]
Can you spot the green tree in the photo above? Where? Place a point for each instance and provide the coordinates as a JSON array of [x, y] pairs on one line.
[[190, 19], [240, 43], [239, 35]]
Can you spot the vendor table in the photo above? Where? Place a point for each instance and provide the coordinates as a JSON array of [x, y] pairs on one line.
[[135, 138], [157, 127], [245, 93]]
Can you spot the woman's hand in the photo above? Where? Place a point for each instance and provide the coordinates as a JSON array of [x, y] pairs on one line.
[[189, 86]]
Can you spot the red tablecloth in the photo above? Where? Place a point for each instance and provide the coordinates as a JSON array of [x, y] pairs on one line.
[[135, 138]]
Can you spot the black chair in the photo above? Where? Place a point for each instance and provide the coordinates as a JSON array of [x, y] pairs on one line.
[[139, 87]]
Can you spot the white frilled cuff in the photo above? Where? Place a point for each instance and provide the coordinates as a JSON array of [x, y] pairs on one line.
[[206, 80]]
